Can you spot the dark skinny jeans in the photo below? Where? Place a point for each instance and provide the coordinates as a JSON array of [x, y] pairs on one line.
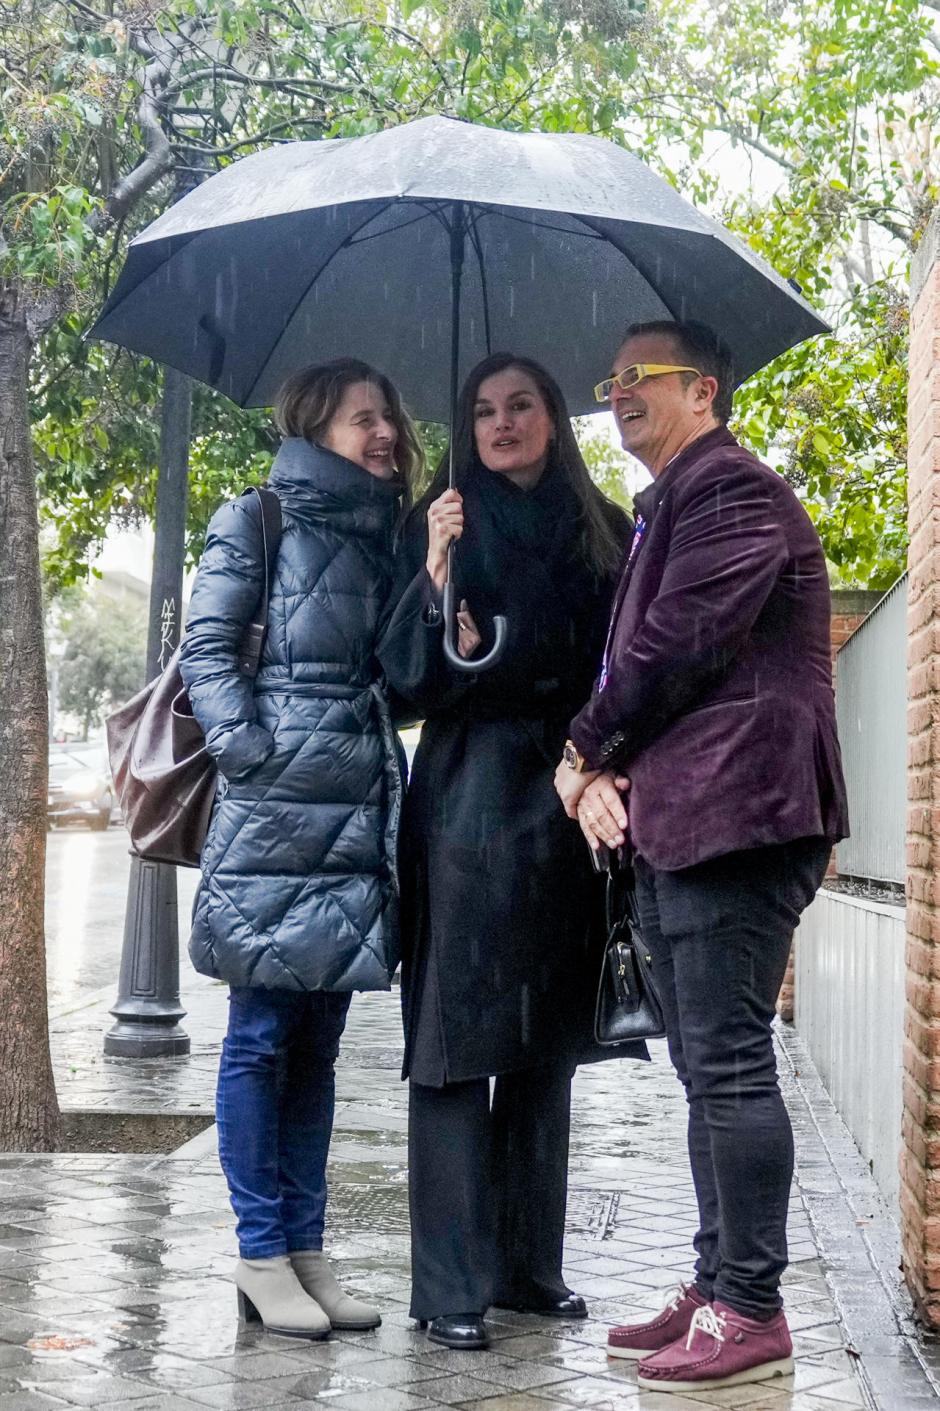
[[719, 934]]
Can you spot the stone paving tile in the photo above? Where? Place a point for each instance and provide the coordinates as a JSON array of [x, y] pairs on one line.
[[29, 1401], [138, 1251], [520, 1401], [459, 1388], [383, 1399], [322, 1384], [164, 1402], [245, 1396]]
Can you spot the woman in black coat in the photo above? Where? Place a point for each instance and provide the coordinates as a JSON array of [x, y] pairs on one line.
[[298, 904], [501, 933]]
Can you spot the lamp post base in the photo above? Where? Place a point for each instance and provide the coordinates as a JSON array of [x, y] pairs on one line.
[[148, 1009], [130, 1039]]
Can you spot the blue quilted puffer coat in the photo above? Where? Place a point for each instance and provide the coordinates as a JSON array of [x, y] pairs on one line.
[[298, 877]]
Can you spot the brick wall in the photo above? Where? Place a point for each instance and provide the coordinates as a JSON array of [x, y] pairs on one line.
[[850, 607], [920, 1142]]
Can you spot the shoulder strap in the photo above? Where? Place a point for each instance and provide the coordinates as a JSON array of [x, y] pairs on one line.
[[252, 645]]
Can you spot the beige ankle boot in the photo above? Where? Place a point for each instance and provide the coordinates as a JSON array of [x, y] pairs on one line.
[[269, 1292], [344, 1312]]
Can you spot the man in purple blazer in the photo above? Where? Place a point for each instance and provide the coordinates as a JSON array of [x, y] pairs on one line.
[[713, 723]]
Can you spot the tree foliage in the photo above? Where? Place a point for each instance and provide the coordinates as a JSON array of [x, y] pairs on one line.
[[826, 110], [102, 662], [196, 85]]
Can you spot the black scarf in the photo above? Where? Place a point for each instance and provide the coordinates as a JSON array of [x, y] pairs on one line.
[[545, 520]]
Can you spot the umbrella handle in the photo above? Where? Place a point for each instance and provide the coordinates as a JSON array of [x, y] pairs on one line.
[[459, 663]]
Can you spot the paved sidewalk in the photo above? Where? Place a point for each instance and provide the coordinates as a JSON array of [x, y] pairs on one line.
[[114, 1270]]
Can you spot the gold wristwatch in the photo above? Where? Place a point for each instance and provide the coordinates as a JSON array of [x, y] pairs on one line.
[[573, 757]]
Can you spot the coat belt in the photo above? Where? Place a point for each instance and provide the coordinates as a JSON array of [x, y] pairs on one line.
[[337, 691]]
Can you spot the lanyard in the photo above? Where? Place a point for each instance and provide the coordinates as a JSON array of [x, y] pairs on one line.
[[638, 534]]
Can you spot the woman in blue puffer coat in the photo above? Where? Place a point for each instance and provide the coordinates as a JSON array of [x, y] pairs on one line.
[[298, 902]]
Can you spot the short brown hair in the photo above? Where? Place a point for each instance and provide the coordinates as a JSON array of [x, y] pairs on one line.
[[307, 403], [698, 345]]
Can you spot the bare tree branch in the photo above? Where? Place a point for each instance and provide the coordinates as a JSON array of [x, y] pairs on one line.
[[158, 158], [269, 134], [300, 87]]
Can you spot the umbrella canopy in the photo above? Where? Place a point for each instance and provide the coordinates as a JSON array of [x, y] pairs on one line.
[[314, 250]]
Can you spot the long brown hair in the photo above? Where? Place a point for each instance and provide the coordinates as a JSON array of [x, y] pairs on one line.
[[602, 548], [308, 400]]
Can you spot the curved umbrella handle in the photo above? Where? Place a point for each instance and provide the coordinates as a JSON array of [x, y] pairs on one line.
[[459, 663]]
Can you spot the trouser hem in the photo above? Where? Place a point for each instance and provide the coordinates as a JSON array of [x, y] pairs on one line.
[[262, 1251], [759, 1312]]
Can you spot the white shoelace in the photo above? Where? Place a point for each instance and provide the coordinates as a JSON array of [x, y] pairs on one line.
[[675, 1297], [706, 1320]]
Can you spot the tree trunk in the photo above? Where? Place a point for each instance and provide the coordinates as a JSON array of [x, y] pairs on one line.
[[29, 1111]]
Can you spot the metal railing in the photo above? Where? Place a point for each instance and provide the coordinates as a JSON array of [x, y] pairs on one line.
[[871, 708]]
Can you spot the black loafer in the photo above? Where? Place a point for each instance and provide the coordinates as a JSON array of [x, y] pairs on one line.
[[571, 1305], [466, 1331]]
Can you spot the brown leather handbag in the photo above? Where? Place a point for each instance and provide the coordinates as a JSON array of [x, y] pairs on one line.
[[164, 776]]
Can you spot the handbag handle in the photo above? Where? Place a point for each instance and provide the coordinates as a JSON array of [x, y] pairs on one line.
[[252, 644]]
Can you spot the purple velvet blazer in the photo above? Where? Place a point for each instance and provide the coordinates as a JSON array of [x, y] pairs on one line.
[[718, 701]]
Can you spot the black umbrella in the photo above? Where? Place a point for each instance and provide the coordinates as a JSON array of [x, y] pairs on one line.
[[423, 248]]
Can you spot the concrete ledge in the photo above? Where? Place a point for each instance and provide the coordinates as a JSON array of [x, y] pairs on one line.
[[146, 1132], [897, 910], [850, 1014]]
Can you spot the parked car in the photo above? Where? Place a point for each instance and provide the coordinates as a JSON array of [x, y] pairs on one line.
[[80, 786]]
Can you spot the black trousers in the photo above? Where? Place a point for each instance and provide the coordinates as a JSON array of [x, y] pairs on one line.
[[488, 1185], [719, 935]]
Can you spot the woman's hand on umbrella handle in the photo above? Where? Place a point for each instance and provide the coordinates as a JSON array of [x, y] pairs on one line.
[[468, 634], [445, 523]]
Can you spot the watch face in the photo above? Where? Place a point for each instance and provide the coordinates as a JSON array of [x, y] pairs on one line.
[[571, 757]]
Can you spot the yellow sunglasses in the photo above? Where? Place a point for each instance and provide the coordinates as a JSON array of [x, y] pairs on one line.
[[634, 374]]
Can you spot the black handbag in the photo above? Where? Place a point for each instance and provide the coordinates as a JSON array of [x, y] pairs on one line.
[[628, 1004], [164, 776]]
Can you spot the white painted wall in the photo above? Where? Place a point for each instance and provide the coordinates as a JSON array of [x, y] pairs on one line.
[[850, 1012]]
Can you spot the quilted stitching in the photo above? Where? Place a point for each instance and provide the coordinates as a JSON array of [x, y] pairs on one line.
[[273, 907]]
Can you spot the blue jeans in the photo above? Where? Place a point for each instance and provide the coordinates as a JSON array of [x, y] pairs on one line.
[[719, 934], [274, 1109]]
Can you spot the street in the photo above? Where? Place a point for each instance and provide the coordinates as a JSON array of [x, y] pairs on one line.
[[86, 891]]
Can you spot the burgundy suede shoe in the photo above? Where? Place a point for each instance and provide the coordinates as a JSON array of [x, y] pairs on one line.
[[722, 1349], [638, 1340]]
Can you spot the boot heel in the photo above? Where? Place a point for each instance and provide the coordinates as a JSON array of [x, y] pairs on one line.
[[247, 1310]]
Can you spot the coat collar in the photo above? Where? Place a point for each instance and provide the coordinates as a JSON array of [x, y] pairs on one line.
[[648, 500], [316, 484]]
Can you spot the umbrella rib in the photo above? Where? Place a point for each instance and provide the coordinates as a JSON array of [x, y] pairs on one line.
[[475, 238], [541, 224], [310, 283], [599, 235], [393, 230]]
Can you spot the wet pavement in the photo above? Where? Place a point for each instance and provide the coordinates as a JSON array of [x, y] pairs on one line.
[[86, 892], [115, 1270]]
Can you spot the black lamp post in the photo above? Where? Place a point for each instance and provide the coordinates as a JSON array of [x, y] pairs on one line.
[[148, 1010]]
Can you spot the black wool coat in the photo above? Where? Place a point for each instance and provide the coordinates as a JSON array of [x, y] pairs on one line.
[[501, 911], [298, 889]]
